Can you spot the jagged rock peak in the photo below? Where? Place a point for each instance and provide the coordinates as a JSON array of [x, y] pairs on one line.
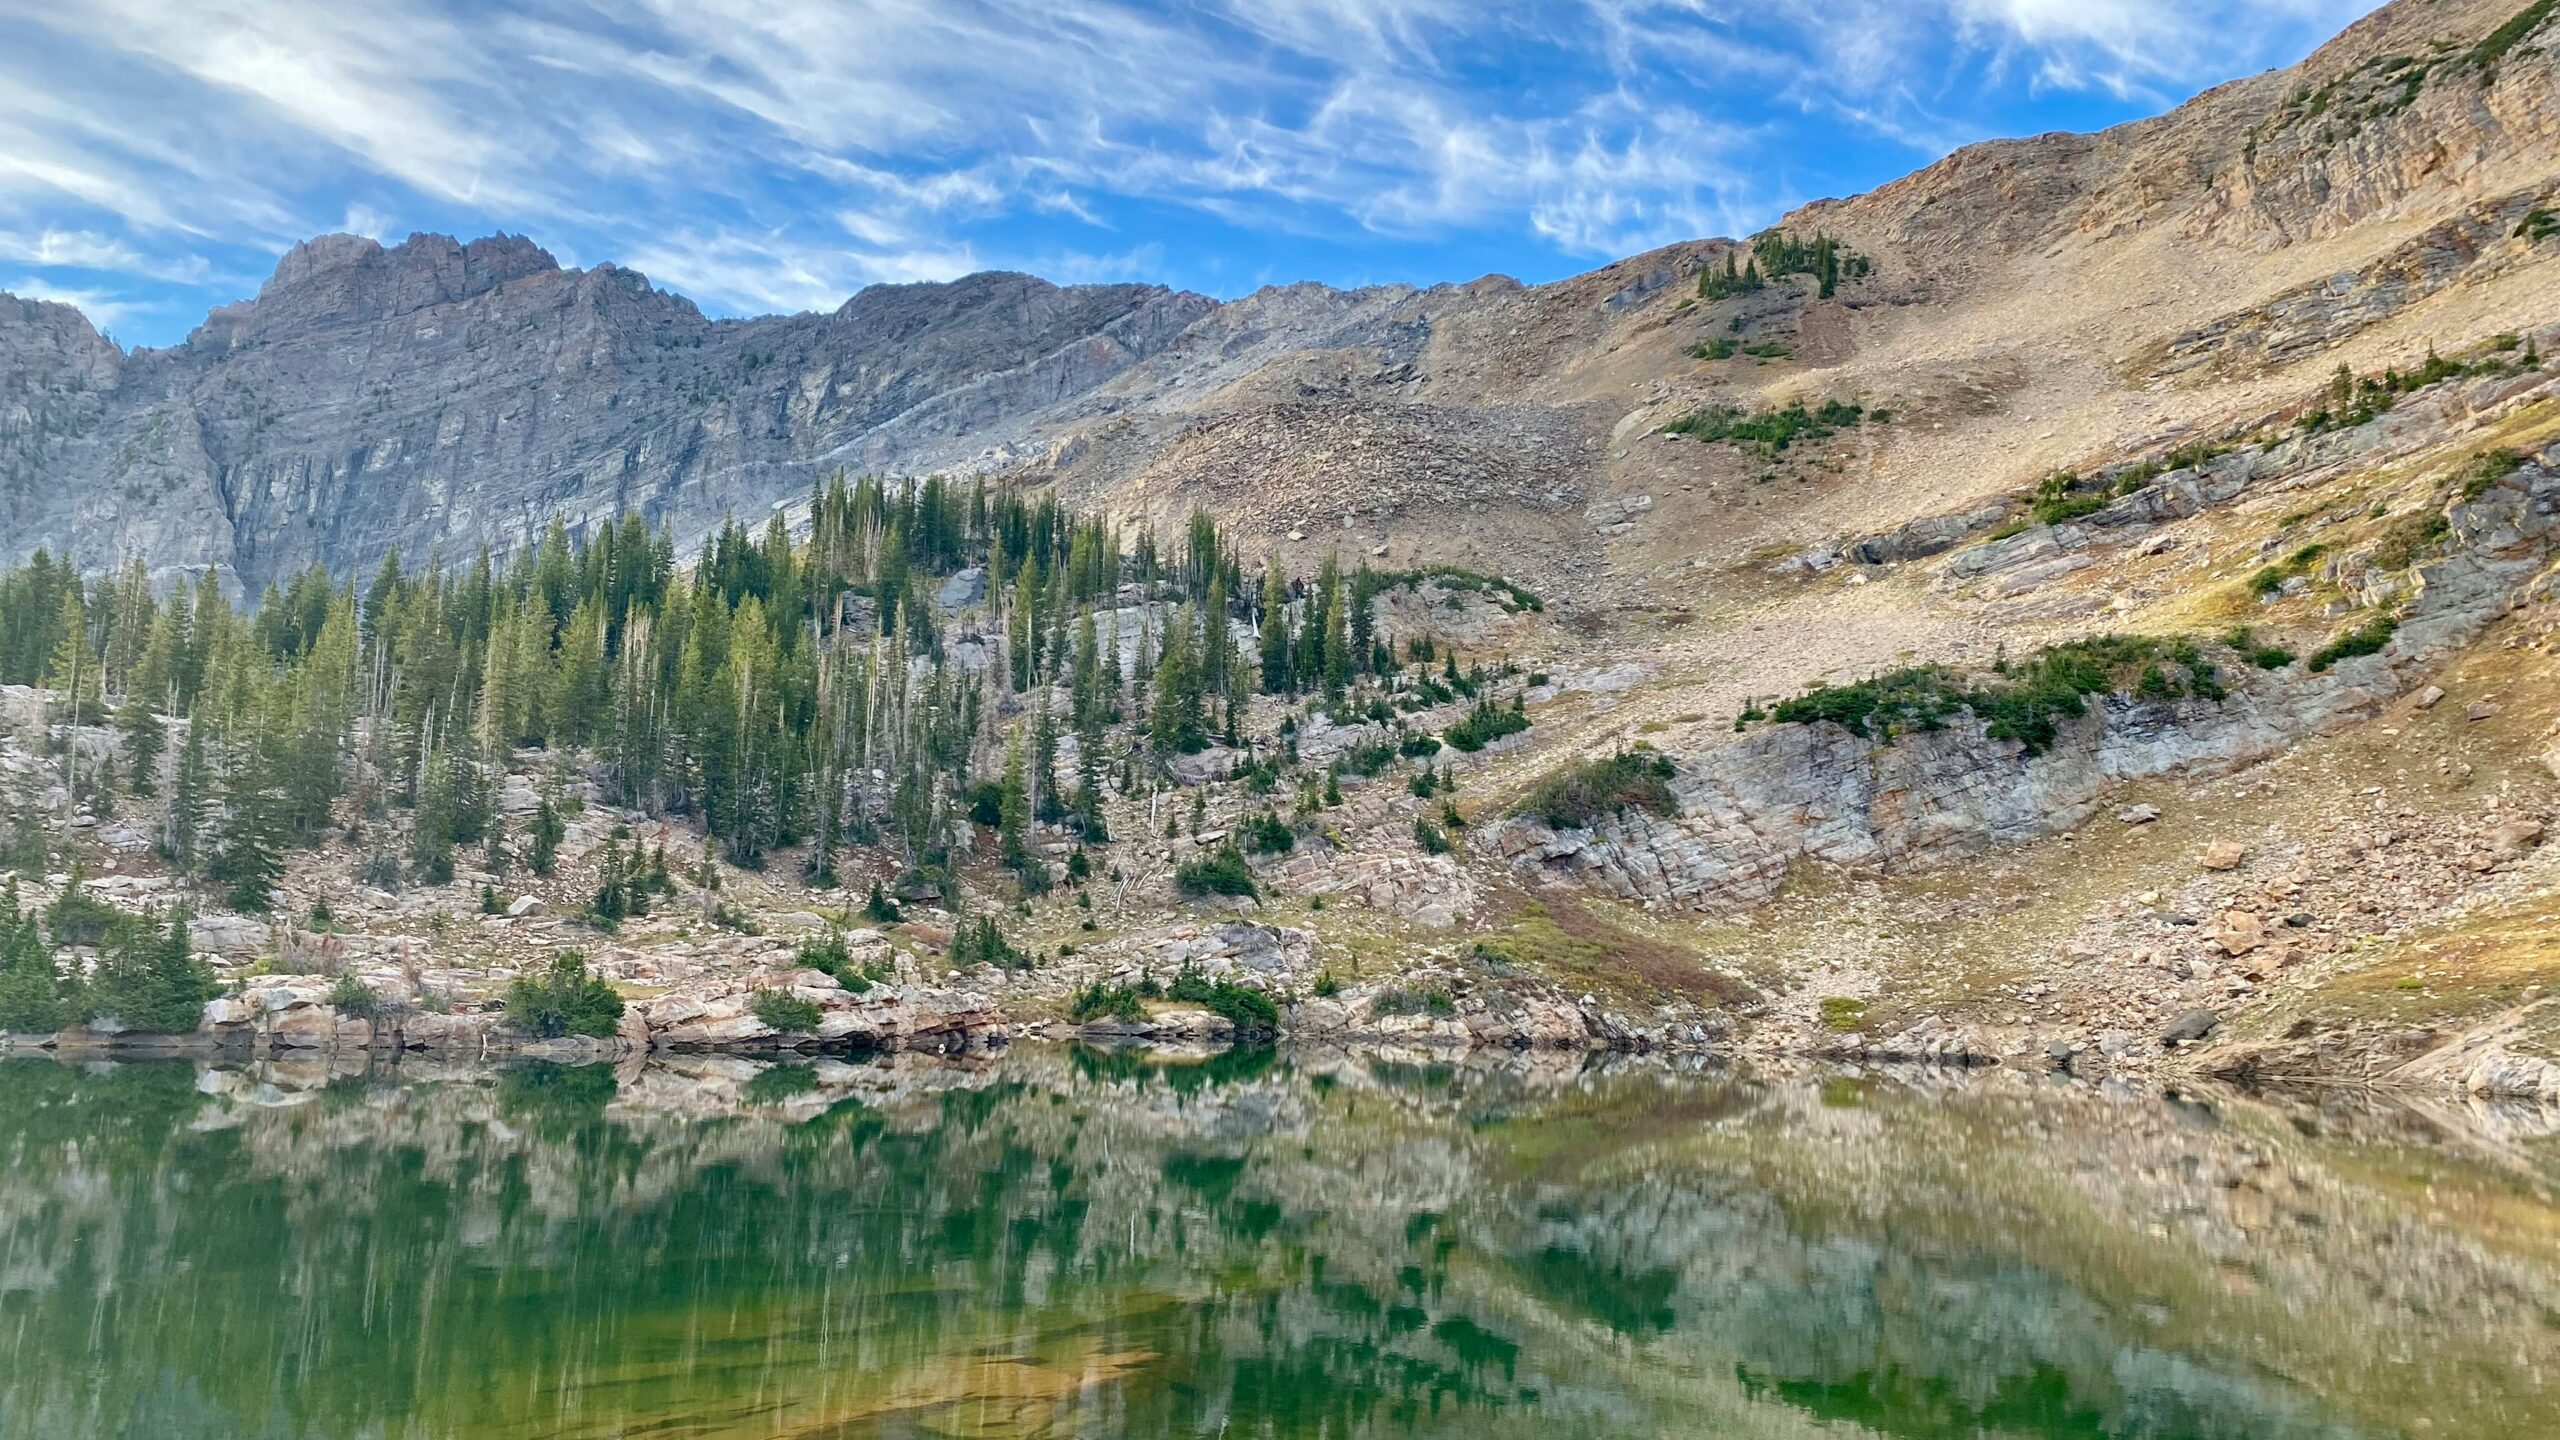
[[478, 265], [334, 280]]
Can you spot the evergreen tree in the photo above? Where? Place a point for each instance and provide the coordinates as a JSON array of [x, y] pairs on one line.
[[190, 801], [1013, 810], [150, 980], [32, 998], [145, 738], [1275, 629], [544, 855], [1337, 630], [248, 842], [1175, 718]]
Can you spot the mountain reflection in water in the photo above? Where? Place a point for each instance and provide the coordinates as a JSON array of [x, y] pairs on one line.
[[1091, 1243]]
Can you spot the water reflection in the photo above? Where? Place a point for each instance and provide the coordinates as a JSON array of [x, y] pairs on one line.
[[1110, 1243]]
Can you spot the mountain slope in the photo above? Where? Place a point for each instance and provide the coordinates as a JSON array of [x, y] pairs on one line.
[[2030, 298]]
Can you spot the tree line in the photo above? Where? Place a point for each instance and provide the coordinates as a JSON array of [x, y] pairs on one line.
[[783, 689]]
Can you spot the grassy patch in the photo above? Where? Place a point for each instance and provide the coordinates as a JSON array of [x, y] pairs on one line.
[[1568, 942], [1846, 1015]]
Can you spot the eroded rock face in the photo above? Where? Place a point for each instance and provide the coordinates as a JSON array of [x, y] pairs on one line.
[[1755, 806]]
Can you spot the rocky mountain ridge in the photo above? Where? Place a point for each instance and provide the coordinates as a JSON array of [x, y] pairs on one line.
[[438, 394]]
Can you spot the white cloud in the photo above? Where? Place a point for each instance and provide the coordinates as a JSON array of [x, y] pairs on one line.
[[105, 311], [779, 153], [773, 273]]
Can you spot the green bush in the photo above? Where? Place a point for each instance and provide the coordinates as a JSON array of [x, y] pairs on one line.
[[1583, 792], [1098, 1001], [1485, 724], [1222, 873], [2365, 639], [1769, 431], [1413, 1002], [979, 942], [355, 999], [78, 918], [1248, 1009], [564, 1000], [2024, 701], [1431, 839], [786, 1012], [2485, 470], [2412, 539], [828, 953], [1267, 834]]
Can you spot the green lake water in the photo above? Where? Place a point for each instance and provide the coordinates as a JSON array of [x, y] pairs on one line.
[[1081, 1243]]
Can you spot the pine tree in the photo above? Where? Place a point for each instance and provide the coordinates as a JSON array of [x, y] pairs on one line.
[[145, 738], [544, 855], [1174, 719], [190, 800], [248, 841], [1275, 629], [1337, 631], [31, 986], [152, 982], [1013, 810]]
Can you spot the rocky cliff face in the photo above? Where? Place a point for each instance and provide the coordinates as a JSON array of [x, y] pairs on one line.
[[1752, 809], [438, 394]]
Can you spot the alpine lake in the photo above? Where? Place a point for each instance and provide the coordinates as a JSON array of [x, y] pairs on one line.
[[1067, 1241]]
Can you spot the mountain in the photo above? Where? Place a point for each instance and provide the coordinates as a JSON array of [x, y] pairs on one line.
[[458, 395], [2096, 593], [2035, 298]]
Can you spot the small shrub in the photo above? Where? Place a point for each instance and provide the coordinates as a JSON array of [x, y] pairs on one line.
[[2408, 542], [1267, 834], [2365, 639], [1328, 985], [1430, 838], [979, 942], [1248, 1009], [564, 1000], [355, 999], [1098, 1001], [786, 1012], [2487, 470], [1222, 873], [1485, 724], [1585, 792]]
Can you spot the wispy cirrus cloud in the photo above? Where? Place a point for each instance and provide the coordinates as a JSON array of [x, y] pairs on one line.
[[777, 154]]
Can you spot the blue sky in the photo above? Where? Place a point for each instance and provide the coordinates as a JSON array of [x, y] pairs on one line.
[[775, 155]]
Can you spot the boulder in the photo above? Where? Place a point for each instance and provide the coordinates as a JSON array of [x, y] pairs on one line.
[[2225, 855], [2515, 837], [2190, 1027], [229, 934]]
